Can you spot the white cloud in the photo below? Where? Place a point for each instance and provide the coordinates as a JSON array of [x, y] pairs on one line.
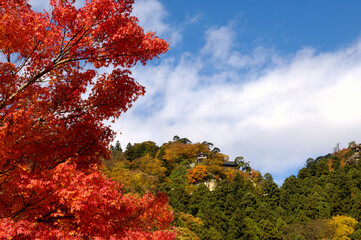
[[220, 47], [219, 42], [300, 107], [151, 15]]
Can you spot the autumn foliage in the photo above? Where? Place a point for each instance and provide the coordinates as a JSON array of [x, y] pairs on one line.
[[78, 205], [342, 227], [178, 151], [62, 73], [197, 174]]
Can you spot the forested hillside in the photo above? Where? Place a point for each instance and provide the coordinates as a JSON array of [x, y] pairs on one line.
[[211, 200]]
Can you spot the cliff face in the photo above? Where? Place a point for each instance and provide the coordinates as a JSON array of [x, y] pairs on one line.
[[211, 184]]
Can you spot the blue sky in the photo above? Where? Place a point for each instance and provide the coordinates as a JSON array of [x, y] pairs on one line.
[[276, 82], [283, 25]]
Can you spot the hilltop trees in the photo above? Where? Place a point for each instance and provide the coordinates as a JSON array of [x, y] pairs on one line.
[[54, 96], [211, 202]]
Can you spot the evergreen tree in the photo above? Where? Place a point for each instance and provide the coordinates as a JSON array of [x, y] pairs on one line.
[[179, 199], [268, 230], [235, 230], [200, 194], [117, 147], [250, 229], [211, 234], [270, 190], [317, 205]]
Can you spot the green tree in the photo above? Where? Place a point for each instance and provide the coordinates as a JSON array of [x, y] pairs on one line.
[[117, 147], [317, 205], [270, 191], [180, 200], [242, 164], [211, 234], [291, 195], [141, 149], [268, 230], [356, 235], [250, 229], [235, 230], [200, 194]]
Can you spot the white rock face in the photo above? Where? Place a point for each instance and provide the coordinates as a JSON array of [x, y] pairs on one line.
[[211, 184]]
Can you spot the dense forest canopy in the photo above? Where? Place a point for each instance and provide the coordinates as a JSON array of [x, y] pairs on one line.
[[212, 201]]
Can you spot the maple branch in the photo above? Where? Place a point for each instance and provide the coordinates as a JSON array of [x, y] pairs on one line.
[[8, 57], [29, 204], [31, 81], [51, 219], [21, 88], [28, 57], [37, 44], [5, 171], [64, 51]]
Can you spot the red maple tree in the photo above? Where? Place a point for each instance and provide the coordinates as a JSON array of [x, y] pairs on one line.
[[56, 90]]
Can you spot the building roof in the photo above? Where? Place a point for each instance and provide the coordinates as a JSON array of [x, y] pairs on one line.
[[355, 146], [229, 164]]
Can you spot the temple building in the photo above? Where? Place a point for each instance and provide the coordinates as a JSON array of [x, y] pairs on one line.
[[229, 164], [356, 148], [226, 164], [201, 157]]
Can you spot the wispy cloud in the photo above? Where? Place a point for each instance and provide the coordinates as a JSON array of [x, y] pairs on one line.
[[151, 15], [219, 42]]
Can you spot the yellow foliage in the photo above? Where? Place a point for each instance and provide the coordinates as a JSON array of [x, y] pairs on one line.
[[150, 165], [147, 173], [121, 174], [190, 224], [190, 188], [342, 162], [186, 234], [177, 151], [218, 158], [189, 220], [342, 226], [230, 173], [216, 170], [197, 174], [330, 165]]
